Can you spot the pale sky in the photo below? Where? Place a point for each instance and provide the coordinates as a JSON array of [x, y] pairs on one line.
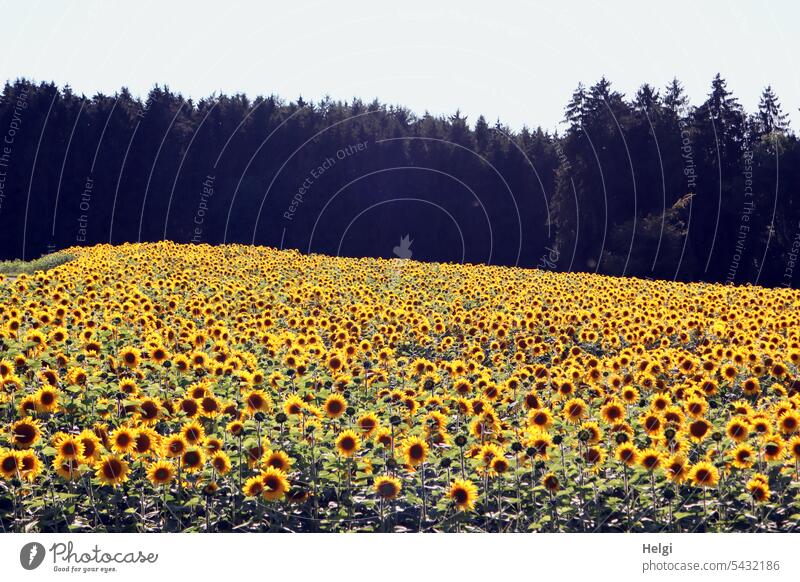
[[516, 61]]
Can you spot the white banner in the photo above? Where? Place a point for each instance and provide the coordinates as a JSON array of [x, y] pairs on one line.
[[399, 557]]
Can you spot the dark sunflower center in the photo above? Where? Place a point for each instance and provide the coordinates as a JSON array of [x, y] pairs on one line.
[[192, 458], [25, 434], [112, 469], [698, 429], [386, 489]]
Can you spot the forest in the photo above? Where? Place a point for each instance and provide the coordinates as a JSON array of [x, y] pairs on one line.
[[646, 185]]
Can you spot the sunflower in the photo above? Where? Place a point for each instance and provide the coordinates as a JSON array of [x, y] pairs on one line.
[[210, 406], [6, 368], [130, 357], [550, 482], [387, 488], [704, 474], [27, 406], [367, 423], [744, 456], [181, 363], [10, 464], [463, 493], [660, 402], [696, 406], [630, 395], [159, 355], [347, 443], [257, 401], [652, 423], [146, 441], [594, 457], [759, 489], [278, 460], [698, 430], [175, 445], [499, 465], [193, 460], [574, 410], [235, 427], [592, 431], [773, 448], [737, 430], [676, 467], [25, 433], [212, 445], [30, 465], [123, 440], [627, 454], [112, 470], [463, 387], [540, 418], [221, 462], [335, 405], [253, 487], [128, 387], [335, 362], [254, 453], [651, 459], [613, 412], [415, 451], [189, 406], [538, 443], [67, 469], [294, 405], [193, 433], [789, 422], [199, 360], [149, 410], [674, 416], [751, 387], [161, 472], [46, 399], [794, 447], [383, 436], [275, 484], [68, 447]]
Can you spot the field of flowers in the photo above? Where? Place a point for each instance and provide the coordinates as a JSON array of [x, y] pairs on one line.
[[164, 387]]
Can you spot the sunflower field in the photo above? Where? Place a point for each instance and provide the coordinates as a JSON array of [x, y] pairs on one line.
[[167, 387]]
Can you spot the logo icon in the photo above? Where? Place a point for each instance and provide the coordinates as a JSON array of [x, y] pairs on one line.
[[31, 555], [403, 250]]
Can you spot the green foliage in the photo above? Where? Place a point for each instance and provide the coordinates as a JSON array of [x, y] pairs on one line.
[[44, 263]]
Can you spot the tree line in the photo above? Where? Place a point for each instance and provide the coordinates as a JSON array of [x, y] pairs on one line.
[[646, 186]]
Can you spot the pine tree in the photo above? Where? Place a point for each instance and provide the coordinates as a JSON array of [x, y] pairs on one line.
[[482, 133], [770, 114], [646, 97], [721, 103], [575, 112], [674, 98]]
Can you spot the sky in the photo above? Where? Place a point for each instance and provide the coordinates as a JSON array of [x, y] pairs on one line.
[[514, 61]]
